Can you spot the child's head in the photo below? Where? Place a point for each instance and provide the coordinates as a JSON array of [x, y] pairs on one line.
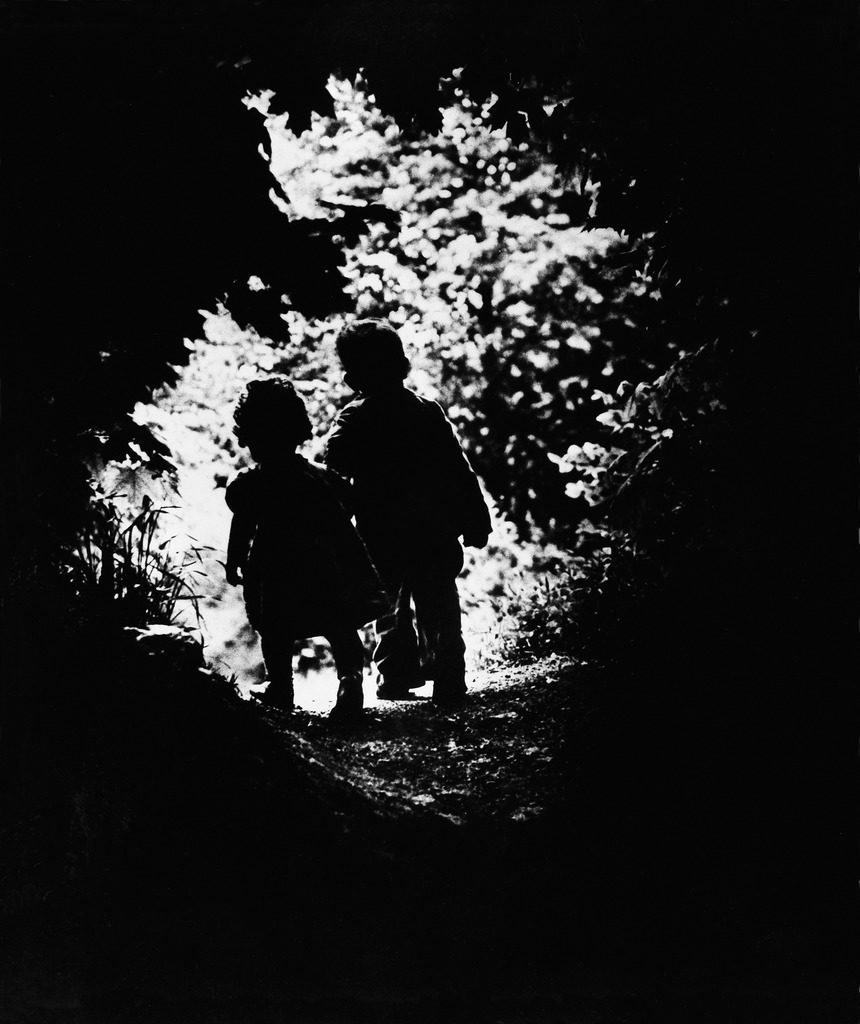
[[371, 354], [271, 417]]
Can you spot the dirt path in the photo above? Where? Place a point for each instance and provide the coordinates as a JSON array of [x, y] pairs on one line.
[[420, 868], [493, 758]]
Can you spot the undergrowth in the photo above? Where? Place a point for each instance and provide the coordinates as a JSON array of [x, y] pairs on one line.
[[123, 563]]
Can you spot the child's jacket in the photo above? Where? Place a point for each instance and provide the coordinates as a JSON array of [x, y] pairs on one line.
[[308, 571], [413, 485]]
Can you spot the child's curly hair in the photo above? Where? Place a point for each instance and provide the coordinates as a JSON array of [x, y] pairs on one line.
[[271, 411]]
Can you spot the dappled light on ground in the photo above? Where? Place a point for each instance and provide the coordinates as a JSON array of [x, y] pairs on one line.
[[496, 756], [315, 691]]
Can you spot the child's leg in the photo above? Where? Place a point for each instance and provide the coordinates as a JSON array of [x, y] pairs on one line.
[[278, 656], [396, 652], [437, 610], [348, 652]]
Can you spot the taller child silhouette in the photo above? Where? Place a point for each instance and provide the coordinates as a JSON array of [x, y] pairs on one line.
[[415, 495]]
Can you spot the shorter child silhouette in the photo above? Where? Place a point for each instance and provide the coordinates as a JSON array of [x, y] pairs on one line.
[[292, 545]]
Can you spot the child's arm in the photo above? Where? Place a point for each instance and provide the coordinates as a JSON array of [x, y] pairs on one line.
[[475, 520], [240, 500], [238, 546], [341, 444]]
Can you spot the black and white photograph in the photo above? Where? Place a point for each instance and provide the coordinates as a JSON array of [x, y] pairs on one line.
[[429, 495]]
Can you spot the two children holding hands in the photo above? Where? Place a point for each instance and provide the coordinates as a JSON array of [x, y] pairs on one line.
[[393, 462]]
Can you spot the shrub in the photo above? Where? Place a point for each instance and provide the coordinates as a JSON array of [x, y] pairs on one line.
[[123, 568]]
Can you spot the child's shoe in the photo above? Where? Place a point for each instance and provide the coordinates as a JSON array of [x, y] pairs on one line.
[[278, 695], [449, 692], [397, 689], [350, 698]]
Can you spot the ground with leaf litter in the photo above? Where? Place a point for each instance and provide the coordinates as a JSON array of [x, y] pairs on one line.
[[475, 866], [494, 757]]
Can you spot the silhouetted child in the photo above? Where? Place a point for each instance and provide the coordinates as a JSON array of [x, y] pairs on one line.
[[292, 544], [415, 495]]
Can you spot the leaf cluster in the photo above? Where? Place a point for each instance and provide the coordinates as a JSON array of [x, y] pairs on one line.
[[122, 566], [512, 312]]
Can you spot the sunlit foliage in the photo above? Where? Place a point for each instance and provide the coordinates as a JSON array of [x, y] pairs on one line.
[[518, 320], [195, 419], [521, 323], [124, 568]]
